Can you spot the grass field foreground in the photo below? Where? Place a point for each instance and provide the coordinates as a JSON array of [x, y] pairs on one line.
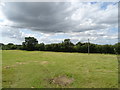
[[35, 69]]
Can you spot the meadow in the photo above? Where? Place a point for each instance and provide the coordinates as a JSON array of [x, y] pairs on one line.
[[39, 69]]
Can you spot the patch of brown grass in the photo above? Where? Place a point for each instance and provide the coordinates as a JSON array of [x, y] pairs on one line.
[[61, 80]]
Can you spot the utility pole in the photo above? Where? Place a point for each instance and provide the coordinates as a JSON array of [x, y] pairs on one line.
[[88, 47]]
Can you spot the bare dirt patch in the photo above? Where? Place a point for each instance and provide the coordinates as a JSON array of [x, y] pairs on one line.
[[61, 80], [44, 62], [7, 67], [32, 87]]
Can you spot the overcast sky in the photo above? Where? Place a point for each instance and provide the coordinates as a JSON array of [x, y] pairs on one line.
[[53, 22]]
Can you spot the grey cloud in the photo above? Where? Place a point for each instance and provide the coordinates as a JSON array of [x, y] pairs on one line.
[[39, 16], [50, 17], [57, 18]]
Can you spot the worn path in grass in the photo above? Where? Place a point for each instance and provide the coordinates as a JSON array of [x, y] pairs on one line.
[[35, 69]]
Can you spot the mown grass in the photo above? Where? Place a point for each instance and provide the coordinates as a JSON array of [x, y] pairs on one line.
[[27, 69]]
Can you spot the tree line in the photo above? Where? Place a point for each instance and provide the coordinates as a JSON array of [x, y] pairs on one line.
[[31, 44]]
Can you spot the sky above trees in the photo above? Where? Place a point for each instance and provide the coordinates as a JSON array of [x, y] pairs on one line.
[[52, 22]]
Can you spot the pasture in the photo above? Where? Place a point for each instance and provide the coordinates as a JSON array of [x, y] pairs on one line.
[[39, 69]]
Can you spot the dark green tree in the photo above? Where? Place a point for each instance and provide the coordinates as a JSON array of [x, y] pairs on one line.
[[117, 48], [30, 43], [40, 47], [67, 45]]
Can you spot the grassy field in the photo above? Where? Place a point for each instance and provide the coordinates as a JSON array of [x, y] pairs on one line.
[[37, 69]]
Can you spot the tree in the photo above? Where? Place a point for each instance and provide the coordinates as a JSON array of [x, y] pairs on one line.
[[10, 44], [117, 48], [92, 48], [48, 47], [1, 46], [67, 45], [40, 47], [30, 43], [79, 43]]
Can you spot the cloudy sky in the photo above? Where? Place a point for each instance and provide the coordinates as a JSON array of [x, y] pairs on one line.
[[52, 22]]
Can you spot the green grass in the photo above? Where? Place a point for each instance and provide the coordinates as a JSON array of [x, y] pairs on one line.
[[88, 71]]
